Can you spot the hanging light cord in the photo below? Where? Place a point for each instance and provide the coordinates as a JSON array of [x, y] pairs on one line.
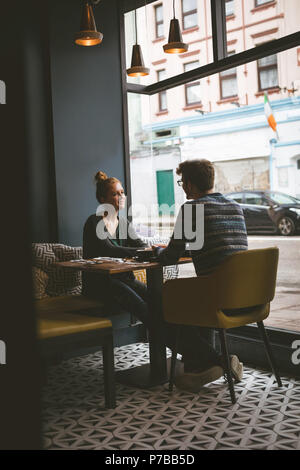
[[135, 27], [174, 8]]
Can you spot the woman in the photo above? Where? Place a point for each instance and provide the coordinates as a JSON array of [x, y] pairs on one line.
[[103, 235]]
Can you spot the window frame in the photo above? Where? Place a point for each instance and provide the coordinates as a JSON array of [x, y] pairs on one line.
[[257, 5], [229, 14], [190, 85], [264, 68], [223, 78], [158, 23], [160, 108], [188, 13]]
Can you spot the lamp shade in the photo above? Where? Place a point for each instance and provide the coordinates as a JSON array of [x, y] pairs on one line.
[[175, 44], [137, 68], [88, 34]]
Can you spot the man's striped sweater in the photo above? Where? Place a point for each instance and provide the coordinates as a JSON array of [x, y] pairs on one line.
[[224, 234]]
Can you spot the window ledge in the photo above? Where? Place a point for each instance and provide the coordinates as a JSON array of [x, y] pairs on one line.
[[162, 113], [263, 7], [189, 107], [228, 100], [230, 17], [158, 39], [190, 30], [268, 90]]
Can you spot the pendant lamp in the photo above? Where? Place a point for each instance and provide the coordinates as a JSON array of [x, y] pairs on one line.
[[137, 68], [175, 44], [88, 34]]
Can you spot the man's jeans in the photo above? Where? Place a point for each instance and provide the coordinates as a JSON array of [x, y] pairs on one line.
[[196, 344]]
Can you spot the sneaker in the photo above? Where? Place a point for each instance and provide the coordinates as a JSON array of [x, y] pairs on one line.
[[194, 381], [236, 368]]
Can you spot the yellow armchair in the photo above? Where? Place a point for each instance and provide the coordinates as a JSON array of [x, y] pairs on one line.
[[237, 293]]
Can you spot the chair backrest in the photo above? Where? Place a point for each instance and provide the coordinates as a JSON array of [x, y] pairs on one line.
[[247, 278]]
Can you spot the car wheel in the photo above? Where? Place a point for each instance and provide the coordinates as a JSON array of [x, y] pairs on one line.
[[286, 226]]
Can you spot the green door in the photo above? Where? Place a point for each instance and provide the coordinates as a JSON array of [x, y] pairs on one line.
[[165, 190]]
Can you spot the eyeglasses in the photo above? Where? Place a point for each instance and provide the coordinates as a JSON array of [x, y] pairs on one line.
[[179, 182]]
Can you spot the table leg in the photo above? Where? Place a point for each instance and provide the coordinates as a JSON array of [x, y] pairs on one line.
[[155, 373], [157, 348]]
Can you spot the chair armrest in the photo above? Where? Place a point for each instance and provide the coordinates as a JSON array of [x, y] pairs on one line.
[[190, 301]]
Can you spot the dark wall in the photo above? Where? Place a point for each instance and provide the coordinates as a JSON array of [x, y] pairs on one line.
[[19, 377], [87, 111], [39, 132]]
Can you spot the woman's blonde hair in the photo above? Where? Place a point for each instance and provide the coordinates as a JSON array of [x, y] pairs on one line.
[[102, 184]]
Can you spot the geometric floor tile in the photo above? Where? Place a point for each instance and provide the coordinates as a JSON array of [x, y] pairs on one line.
[[74, 417]]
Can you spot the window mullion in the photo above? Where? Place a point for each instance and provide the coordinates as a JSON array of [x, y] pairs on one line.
[[219, 36]]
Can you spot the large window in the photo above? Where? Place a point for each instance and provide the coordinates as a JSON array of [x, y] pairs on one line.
[[192, 90], [159, 21], [267, 72], [190, 121], [162, 96], [228, 82], [189, 14]]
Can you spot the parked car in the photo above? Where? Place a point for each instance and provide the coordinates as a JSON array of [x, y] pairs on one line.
[[269, 211]]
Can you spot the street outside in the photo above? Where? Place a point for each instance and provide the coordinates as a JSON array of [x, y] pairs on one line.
[[285, 308]]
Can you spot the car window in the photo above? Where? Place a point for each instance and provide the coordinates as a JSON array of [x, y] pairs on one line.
[[237, 197], [255, 199], [281, 198]]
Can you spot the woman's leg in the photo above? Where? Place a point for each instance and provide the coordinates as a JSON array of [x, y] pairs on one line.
[[130, 296]]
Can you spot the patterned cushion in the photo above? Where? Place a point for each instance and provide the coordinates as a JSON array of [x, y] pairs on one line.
[[40, 281], [140, 275], [61, 281], [170, 272]]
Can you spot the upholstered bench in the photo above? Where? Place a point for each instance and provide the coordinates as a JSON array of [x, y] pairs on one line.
[[59, 290], [59, 331], [70, 323]]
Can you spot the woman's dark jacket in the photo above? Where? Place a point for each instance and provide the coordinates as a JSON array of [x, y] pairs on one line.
[[98, 285]]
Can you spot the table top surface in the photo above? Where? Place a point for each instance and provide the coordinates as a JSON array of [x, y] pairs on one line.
[[113, 267]]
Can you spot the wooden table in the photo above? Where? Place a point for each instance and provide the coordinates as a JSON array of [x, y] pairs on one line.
[[155, 373]]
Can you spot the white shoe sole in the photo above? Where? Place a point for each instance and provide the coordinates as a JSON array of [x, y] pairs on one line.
[[237, 368]]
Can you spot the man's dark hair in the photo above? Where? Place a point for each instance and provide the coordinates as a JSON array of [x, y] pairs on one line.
[[201, 173]]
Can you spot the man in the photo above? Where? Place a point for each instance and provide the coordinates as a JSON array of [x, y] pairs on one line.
[[224, 234]]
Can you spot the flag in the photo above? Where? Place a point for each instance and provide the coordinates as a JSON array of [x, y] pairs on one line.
[[269, 114]]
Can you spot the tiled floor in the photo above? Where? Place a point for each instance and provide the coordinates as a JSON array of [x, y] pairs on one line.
[[264, 417]]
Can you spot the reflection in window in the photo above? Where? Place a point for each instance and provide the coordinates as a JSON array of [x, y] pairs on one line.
[[262, 2], [255, 199], [189, 14], [267, 72], [237, 197], [281, 198], [192, 90], [228, 82], [162, 96], [229, 7], [159, 21]]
